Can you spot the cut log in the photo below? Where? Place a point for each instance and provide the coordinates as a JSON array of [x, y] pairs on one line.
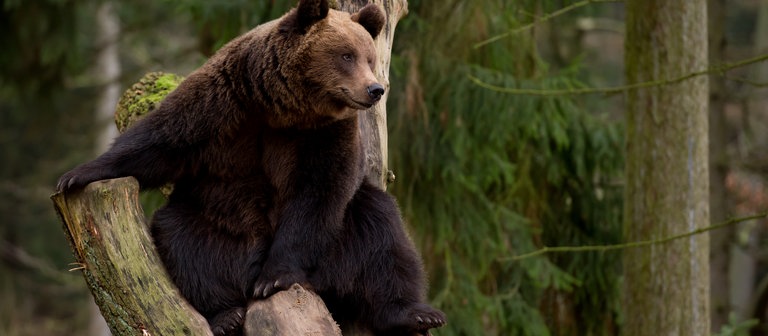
[[301, 312]]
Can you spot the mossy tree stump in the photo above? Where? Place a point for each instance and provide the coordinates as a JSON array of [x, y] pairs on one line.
[[105, 226]]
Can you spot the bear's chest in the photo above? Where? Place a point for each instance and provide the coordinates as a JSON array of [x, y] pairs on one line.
[[330, 157]]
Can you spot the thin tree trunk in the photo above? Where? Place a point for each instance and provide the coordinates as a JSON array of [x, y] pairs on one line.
[[761, 41], [374, 124], [666, 286], [756, 110], [108, 72], [720, 244]]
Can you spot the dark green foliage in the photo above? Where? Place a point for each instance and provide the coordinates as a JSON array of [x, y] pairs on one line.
[[43, 48], [217, 22], [41, 38], [484, 175]]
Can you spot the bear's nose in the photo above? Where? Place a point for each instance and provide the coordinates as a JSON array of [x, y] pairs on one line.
[[375, 91]]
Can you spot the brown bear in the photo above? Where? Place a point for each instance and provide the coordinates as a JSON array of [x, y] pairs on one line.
[[263, 148]]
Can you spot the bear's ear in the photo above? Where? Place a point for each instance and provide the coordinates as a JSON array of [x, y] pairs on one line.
[[306, 14], [371, 18]]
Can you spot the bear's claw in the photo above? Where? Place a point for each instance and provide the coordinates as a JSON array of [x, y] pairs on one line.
[[268, 283], [425, 318], [78, 178], [228, 322], [266, 289]]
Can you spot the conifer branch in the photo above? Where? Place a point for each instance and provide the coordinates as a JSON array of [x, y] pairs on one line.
[[748, 81], [718, 69], [643, 243], [541, 19]]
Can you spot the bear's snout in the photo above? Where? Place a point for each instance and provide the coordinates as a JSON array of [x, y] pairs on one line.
[[375, 91]]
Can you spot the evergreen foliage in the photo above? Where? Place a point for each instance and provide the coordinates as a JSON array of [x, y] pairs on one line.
[[483, 175], [44, 48]]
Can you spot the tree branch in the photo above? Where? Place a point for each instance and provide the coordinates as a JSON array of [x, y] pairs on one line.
[[539, 20], [718, 69], [603, 248]]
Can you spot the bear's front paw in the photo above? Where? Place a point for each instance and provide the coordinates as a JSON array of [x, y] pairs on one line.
[[275, 279], [78, 178], [228, 322]]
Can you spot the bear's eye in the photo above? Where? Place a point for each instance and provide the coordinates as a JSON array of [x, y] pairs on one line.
[[348, 57]]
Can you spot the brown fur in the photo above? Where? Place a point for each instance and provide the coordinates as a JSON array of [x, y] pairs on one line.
[[263, 147]]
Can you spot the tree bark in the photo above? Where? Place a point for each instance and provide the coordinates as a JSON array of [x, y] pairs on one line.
[[666, 288], [720, 244], [373, 125], [106, 228], [107, 231], [301, 313]]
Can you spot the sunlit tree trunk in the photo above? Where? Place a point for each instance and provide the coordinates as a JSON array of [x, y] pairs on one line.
[[108, 73], [666, 285]]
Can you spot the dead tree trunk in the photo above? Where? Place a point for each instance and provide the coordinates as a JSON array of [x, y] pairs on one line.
[[373, 124], [107, 230]]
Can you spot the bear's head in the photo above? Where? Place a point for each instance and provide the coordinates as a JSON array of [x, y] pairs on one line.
[[322, 64]]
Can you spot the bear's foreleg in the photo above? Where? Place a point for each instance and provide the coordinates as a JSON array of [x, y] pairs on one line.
[[301, 239], [141, 152], [315, 173]]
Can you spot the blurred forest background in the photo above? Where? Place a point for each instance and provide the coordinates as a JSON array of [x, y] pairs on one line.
[[482, 175]]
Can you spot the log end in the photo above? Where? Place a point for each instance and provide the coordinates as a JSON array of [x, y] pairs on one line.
[[295, 311]]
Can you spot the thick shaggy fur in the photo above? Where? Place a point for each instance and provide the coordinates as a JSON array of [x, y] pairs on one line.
[[263, 147]]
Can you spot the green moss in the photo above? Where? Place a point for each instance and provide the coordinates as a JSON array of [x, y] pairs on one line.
[[143, 97], [139, 100], [168, 82]]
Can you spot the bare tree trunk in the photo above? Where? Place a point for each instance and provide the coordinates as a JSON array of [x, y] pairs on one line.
[[666, 288], [757, 104], [374, 124], [721, 240], [108, 71], [761, 41], [756, 109], [106, 228]]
